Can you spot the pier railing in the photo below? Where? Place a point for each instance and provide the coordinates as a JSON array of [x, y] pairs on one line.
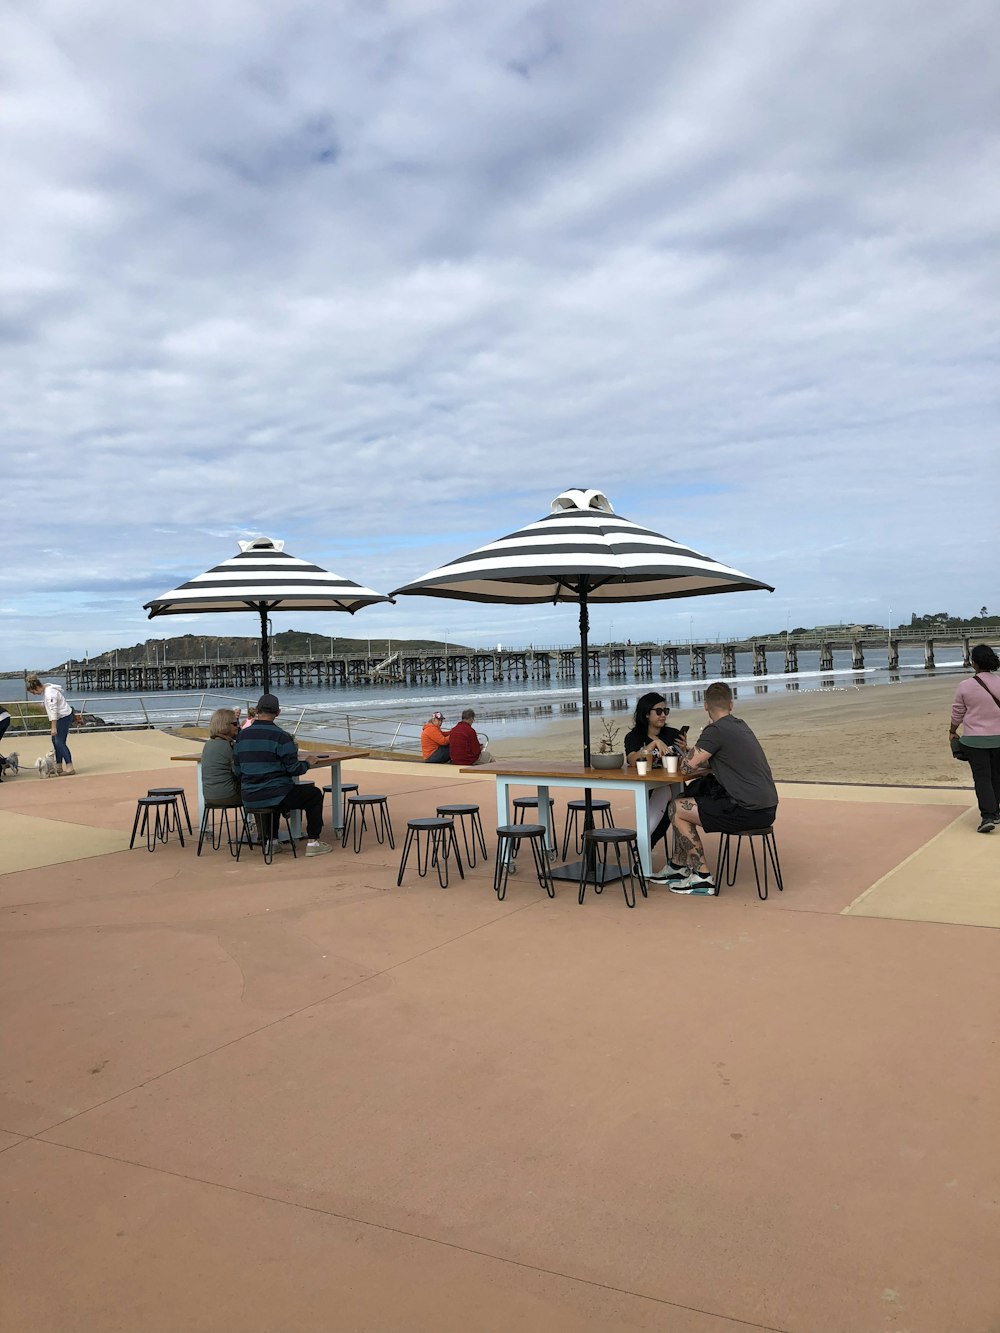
[[463, 666]]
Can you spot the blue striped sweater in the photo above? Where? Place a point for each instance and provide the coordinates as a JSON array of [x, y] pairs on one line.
[[266, 761]]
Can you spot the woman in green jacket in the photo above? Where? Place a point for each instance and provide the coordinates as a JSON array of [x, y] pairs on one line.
[[219, 782]]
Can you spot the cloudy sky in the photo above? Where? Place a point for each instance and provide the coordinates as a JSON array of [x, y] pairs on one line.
[[382, 278]]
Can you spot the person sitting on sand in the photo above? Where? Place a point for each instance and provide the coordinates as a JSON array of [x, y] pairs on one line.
[[651, 739], [463, 743], [434, 741], [267, 762], [738, 793], [219, 783]]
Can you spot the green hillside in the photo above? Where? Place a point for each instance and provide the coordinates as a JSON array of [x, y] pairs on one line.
[[289, 643]]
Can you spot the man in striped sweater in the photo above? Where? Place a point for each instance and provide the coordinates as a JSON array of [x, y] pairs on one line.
[[266, 761]]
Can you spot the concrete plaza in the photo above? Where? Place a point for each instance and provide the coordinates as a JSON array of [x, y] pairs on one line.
[[297, 1097]]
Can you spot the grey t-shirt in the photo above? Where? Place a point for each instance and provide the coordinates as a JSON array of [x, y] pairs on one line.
[[739, 763]]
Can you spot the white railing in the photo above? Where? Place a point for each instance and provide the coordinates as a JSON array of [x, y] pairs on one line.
[[307, 722]]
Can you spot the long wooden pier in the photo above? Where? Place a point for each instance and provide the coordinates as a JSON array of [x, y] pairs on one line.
[[648, 661]]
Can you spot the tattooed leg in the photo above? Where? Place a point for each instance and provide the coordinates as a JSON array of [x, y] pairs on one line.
[[688, 848]]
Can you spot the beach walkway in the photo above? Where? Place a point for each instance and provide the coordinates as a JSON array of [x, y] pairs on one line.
[[298, 1098]]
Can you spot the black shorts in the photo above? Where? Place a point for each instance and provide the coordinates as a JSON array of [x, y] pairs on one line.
[[719, 813]]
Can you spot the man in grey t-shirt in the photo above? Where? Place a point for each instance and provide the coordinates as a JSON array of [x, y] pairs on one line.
[[740, 793]]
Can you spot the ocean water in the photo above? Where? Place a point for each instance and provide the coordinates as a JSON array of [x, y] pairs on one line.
[[392, 714]]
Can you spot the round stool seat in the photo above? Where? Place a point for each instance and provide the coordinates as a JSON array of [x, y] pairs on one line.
[[357, 819], [594, 866], [611, 835], [438, 846], [728, 865], [473, 837], [509, 839], [166, 815], [181, 795], [571, 827], [344, 786]]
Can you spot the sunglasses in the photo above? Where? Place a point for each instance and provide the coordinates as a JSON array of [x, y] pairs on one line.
[[660, 709]]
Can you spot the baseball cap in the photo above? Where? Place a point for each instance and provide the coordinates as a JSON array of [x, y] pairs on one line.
[[440, 715], [268, 703]]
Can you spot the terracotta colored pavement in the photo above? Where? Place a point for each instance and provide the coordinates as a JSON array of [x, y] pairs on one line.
[[298, 1097]]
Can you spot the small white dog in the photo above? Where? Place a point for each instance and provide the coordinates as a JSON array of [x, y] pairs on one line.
[[46, 765]]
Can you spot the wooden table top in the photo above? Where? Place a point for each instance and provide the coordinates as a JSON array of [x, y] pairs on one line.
[[575, 769], [335, 756]]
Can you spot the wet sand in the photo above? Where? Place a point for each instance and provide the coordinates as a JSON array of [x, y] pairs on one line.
[[895, 733]]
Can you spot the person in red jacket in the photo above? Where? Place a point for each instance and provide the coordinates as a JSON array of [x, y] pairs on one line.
[[463, 743]]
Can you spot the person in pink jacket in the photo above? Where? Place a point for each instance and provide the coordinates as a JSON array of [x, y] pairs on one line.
[[977, 711]]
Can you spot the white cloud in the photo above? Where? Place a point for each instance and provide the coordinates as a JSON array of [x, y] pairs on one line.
[[382, 280]]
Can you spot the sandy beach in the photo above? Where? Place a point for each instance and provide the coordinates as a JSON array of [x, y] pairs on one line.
[[871, 734]]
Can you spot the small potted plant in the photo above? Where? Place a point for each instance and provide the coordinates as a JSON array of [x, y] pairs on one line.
[[607, 756]]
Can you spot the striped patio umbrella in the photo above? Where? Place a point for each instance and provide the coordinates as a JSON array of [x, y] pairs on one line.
[[581, 552], [264, 578]]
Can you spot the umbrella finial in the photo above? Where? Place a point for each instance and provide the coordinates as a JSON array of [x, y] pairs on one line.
[[262, 544], [577, 498]]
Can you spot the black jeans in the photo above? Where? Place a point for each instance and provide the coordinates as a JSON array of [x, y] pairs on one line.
[[442, 755], [985, 765], [305, 796]]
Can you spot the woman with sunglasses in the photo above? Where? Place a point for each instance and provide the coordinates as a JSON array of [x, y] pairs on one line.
[[650, 739]]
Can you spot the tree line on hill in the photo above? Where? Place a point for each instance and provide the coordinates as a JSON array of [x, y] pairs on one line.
[[227, 648]]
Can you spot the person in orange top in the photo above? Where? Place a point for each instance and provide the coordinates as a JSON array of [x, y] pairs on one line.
[[434, 741]]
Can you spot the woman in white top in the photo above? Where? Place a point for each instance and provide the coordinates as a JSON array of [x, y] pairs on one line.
[[60, 716]]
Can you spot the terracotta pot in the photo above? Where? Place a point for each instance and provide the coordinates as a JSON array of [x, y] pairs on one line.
[[607, 760]]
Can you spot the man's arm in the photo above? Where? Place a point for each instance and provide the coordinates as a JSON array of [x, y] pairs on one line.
[[288, 755], [696, 762]]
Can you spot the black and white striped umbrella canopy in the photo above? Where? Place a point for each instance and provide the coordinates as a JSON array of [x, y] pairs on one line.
[[264, 578], [581, 551]]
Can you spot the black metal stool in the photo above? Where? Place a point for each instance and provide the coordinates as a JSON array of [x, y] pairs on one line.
[[523, 803], [769, 852], [439, 844], [573, 811], [382, 824], [345, 787], [222, 809], [180, 794], [268, 823], [509, 839], [472, 833], [166, 815], [593, 865]]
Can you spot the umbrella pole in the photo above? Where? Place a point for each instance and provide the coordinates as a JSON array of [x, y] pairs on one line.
[[588, 809], [265, 658]]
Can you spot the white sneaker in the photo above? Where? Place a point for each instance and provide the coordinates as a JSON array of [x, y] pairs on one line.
[[318, 848], [696, 881], [670, 874]]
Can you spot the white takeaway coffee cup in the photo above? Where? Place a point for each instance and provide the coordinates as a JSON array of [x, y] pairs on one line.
[[641, 767], [670, 763]]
